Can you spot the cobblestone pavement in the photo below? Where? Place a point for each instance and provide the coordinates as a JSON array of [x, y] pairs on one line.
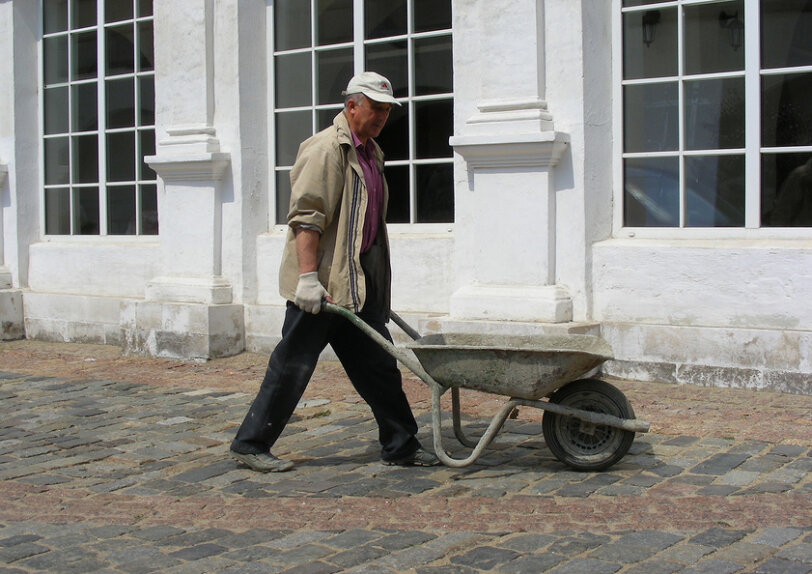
[[117, 464]]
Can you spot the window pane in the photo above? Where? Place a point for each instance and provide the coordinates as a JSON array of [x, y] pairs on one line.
[[334, 72], [435, 193], [334, 21], [85, 159], [650, 44], [641, 2], [121, 210], [120, 103], [650, 118], [397, 180], [115, 10], [433, 73], [57, 161], [120, 50], [390, 60], [433, 126], [786, 190], [121, 156], [149, 209], [146, 57], [144, 8], [786, 110], [55, 60], [291, 129], [384, 18], [786, 33], [85, 113], [84, 13], [394, 139], [324, 118], [714, 114], [714, 35], [56, 110], [86, 213], [651, 192], [146, 141], [293, 80], [292, 24], [714, 191], [54, 16], [282, 196], [57, 211], [146, 101], [84, 56], [432, 15]]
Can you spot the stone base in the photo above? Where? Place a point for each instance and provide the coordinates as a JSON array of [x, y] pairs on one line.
[[73, 318], [183, 330], [546, 304], [12, 325]]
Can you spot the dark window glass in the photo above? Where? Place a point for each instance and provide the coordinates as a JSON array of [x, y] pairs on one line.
[[85, 113], [146, 57], [292, 24], [651, 192], [786, 190], [282, 196], [121, 210], [57, 161], [334, 21], [57, 211], [54, 16], [397, 180], [120, 50], [324, 118], [149, 209], [84, 56], [714, 191], [432, 15], [293, 80], [84, 13], [146, 141], [334, 72], [714, 114], [85, 159], [146, 102], [390, 60], [120, 103], [121, 156], [786, 33], [384, 18], [115, 10], [714, 36], [629, 3], [87, 211], [433, 126], [786, 110], [650, 44], [292, 128], [144, 8], [394, 139], [56, 110], [433, 70], [435, 193], [650, 118], [55, 60]]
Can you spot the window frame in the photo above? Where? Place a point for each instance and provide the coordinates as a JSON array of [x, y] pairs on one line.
[[753, 151], [359, 46], [101, 81]]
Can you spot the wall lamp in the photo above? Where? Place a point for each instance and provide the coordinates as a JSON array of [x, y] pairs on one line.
[[650, 20], [734, 27]]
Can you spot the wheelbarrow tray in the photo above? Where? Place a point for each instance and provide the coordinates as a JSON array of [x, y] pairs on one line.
[[524, 367]]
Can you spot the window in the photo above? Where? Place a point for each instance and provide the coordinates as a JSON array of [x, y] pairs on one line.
[[320, 44], [98, 117], [717, 117]]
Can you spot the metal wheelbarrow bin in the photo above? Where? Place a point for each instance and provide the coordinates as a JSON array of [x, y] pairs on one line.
[[588, 424]]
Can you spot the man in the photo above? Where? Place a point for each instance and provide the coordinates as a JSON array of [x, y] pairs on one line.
[[337, 250]]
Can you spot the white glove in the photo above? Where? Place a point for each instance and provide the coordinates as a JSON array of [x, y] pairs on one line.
[[309, 293]]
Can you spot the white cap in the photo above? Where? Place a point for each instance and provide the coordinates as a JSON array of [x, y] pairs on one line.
[[372, 85]]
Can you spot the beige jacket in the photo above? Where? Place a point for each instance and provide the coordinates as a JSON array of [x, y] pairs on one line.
[[329, 194]]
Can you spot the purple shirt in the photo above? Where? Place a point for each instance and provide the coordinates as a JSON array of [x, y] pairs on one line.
[[374, 184]]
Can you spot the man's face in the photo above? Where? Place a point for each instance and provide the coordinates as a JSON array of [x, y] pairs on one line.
[[367, 118]]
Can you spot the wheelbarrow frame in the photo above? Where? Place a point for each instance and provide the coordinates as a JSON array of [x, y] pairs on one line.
[[438, 390]]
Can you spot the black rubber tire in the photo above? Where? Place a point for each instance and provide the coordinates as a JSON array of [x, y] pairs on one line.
[[585, 446]]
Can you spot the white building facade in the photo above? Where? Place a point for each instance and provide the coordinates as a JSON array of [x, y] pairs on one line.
[[637, 169]]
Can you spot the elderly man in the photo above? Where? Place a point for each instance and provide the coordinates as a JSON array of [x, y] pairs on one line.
[[337, 250]]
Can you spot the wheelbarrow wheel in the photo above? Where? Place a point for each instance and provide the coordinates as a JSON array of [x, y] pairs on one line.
[[582, 445]]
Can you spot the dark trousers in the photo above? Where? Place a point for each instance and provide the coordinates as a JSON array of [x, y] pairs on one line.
[[372, 371]]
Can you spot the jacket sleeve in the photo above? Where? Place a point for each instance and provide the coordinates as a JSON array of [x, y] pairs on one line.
[[317, 180]]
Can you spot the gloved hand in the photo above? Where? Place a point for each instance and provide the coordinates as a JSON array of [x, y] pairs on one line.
[[309, 293]]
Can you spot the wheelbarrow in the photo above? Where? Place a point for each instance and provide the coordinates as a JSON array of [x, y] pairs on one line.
[[588, 424]]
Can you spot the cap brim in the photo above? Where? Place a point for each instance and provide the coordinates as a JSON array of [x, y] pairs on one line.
[[382, 98]]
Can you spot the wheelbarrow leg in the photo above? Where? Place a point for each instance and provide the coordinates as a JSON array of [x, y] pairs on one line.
[[496, 424], [455, 413]]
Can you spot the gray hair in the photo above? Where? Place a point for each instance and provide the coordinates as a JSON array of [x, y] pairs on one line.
[[357, 97]]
